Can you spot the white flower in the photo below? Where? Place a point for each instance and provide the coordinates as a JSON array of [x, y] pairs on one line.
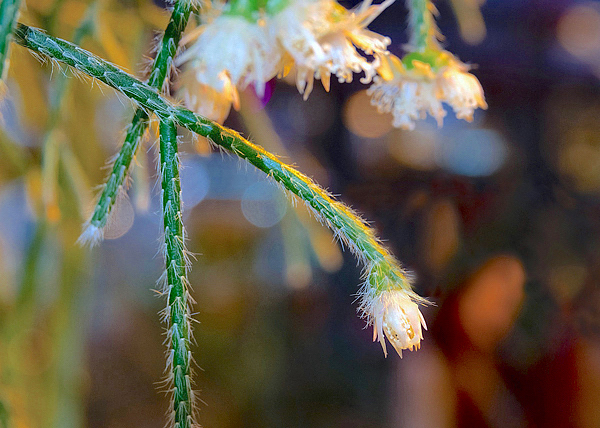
[[232, 45], [462, 91], [407, 99], [395, 314], [230, 53], [320, 38], [411, 94]]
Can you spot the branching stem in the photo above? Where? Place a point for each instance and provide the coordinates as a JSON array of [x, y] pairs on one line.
[[158, 78], [350, 228]]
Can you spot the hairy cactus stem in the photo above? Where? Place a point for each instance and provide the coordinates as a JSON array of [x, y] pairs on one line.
[[176, 287], [93, 229]]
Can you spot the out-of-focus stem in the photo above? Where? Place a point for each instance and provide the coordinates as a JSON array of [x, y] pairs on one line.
[[9, 10], [423, 33]]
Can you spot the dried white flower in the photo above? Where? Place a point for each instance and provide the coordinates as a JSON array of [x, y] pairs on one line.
[[412, 93], [461, 90], [321, 37]]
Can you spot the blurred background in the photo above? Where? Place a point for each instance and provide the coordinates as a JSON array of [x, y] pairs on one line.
[[499, 220]]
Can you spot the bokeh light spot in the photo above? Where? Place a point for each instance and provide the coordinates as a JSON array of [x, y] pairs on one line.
[[566, 281], [581, 161], [195, 181], [441, 238], [263, 204], [121, 218], [416, 149], [579, 31], [491, 301], [363, 119], [473, 152]]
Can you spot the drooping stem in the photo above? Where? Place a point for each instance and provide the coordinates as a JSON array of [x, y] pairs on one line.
[[347, 226], [176, 287], [9, 9], [160, 69], [423, 32]]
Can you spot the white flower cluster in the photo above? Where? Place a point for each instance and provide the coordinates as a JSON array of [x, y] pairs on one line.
[[319, 37], [411, 94]]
